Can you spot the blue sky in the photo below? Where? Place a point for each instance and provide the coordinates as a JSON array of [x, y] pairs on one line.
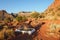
[[24, 5]]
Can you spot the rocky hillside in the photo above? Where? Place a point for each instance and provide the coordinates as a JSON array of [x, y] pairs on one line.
[[55, 6], [4, 14], [53, 11]]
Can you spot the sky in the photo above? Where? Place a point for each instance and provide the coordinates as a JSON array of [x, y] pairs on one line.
[[24, 5]]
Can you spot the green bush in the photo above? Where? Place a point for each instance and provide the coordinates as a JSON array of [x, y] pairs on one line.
[[21, 18], [35, 14], [24, 18]]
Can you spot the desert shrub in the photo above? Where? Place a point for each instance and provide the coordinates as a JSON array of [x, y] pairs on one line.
[[9, 32], [41, 15], [51, 9], [35, 14], [58, 14], [58, 8], [21, 18], [24, 18], [53, 13], [7, 20]]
